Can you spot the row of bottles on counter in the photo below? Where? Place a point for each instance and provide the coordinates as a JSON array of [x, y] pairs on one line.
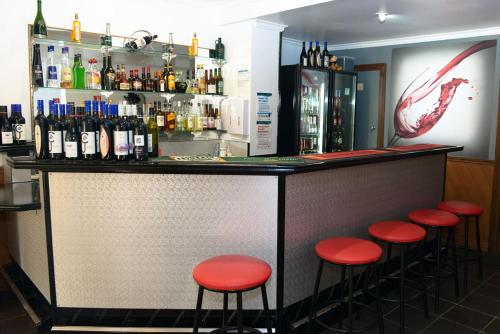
[[203, 81], [13, 127], [309, 123], [313, 57]]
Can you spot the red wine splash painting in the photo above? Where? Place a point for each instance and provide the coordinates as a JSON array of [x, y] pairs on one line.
[[414, 115]]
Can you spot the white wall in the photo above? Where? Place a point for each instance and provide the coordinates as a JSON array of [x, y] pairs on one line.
[[290, 51]]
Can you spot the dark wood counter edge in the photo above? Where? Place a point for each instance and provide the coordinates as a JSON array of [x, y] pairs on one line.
[[158, 167], [17, 148], [11, 207]]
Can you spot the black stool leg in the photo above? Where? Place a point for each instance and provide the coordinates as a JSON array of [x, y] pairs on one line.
[[388, 258], [312, 313], [438, 269], [224, 310], [454, 259], [378, 302], [239, 310], [266, 308], [366, 281], [478, 241], [351, 269], [421, 280], [198, 310], [342, 285], [402, 290], [466, 255]]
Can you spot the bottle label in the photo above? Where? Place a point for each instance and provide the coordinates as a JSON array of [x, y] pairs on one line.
[[211, 89], [52, 72], [104, 143], [64, 140], [190, 122], [66, 74], [150, 143], [7, 138], [111, 77], [130, 142], [204, 122], [20, 131], [139, 140], [304, 61], [137, 85], [37, 72], [71, 149], [88, 142], [220, 87], [55, 142], [326, 61], [38, 139], [124, 86], [97, 146], [160, 119], [140, 42], [171, 82], [121, 142], [218, 124], [162, 85], [211, 123]]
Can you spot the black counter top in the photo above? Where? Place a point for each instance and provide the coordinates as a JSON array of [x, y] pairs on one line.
[[19, 196], [210, 167]]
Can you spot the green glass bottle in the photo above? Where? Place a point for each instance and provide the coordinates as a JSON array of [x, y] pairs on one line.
[[78, 73], [39, 29]]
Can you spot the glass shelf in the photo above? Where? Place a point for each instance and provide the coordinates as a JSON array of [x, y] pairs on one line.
[[108, 93], [186, 136], [153, 49]]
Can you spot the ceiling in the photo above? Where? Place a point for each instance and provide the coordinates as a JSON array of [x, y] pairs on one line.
[[354, 21]]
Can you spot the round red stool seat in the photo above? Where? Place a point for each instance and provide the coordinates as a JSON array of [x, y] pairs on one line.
[[461, 208], [397, 232], [348, 251], [433, 218], [231, 273]]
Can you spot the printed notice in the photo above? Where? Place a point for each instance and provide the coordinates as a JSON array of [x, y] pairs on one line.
[[264, 122]]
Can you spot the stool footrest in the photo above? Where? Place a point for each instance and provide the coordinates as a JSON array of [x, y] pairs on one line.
[[224, 330]]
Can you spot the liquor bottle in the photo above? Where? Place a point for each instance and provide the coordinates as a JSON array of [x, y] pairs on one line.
[[93, 75], [120, 135], [6, 127], [55, 135], [194, 83], [207, 82], [152, 140], [124, 83], [220, 83], [211, 118], [106, 134], [107, 40], [179, 118], [188, 83], [163, 79], [189, 119], [18, 124], [66, 71], [202, 84], [171, 80], [212, 87], [170, 118], [160, 118], [303, 55], [137, 82], [198, 123], [118, 76], [149, 83], [41, 133], [194, 46], [109, 75], [218, 119], [87, 136], [131, 79], [204, 118], [317, 56], [310, 55], [72, 148], [51, 68], [219, 49], [140, 138], [78, 73], [140, 43], [326, 57], [130, 123], [36, 69], [143, 78], [103, 73], [39, 29], [170, 48], [76, 33]]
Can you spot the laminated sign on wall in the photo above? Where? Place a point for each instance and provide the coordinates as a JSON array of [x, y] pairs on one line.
[[264, 122]]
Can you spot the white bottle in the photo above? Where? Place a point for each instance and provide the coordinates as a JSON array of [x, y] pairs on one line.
[[51, 68]]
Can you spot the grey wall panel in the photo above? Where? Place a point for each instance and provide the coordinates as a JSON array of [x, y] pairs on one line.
[[132, 240], [344, 202]]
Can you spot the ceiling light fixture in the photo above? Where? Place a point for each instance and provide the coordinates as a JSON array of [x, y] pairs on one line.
[[382, 16]]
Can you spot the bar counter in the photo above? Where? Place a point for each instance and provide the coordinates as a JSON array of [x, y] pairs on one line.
[[123, 237]]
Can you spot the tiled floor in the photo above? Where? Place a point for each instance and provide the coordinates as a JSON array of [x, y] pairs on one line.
[[475, 311]]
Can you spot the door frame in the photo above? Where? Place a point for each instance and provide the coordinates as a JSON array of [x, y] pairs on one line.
[[382, 69]]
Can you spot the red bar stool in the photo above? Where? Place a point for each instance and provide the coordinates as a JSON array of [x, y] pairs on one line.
[[466, 210], [347, 253], [403, 234], [439, 220], [232, 274]]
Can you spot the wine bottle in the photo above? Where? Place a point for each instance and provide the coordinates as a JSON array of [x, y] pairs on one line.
[[87, 135], [96, 118], [18, 123], [39, 29], [103, 73], [152, 140], [326, 57], [72, 148], [55, 135], [310, 55], [51, 68], [41, 133], [6, 127], [140, 43], [303, 55], [110, 76], [149, 85], [219, 49], [160, 119], [106, 134], [317, 56], [36, 70], [129, 119], [63, 120], [220, 83], [120, 135], [107, 40], [140, 138], [78, 73]]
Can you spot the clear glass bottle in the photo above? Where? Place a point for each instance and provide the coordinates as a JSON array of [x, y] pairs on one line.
[[93, 75], [66, 71], [51, 68]]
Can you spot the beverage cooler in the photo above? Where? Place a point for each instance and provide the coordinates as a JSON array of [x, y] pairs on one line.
[[317, 110]]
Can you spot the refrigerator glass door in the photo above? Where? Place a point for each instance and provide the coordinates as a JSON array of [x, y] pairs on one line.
[[313, 111], [344, 106]]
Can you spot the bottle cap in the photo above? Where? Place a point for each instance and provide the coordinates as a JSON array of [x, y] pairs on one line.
[[54, 109], [15, 108], [87, 106], [50, 48], [62, 109], [39, 106], [3, 109], [65, 49]]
